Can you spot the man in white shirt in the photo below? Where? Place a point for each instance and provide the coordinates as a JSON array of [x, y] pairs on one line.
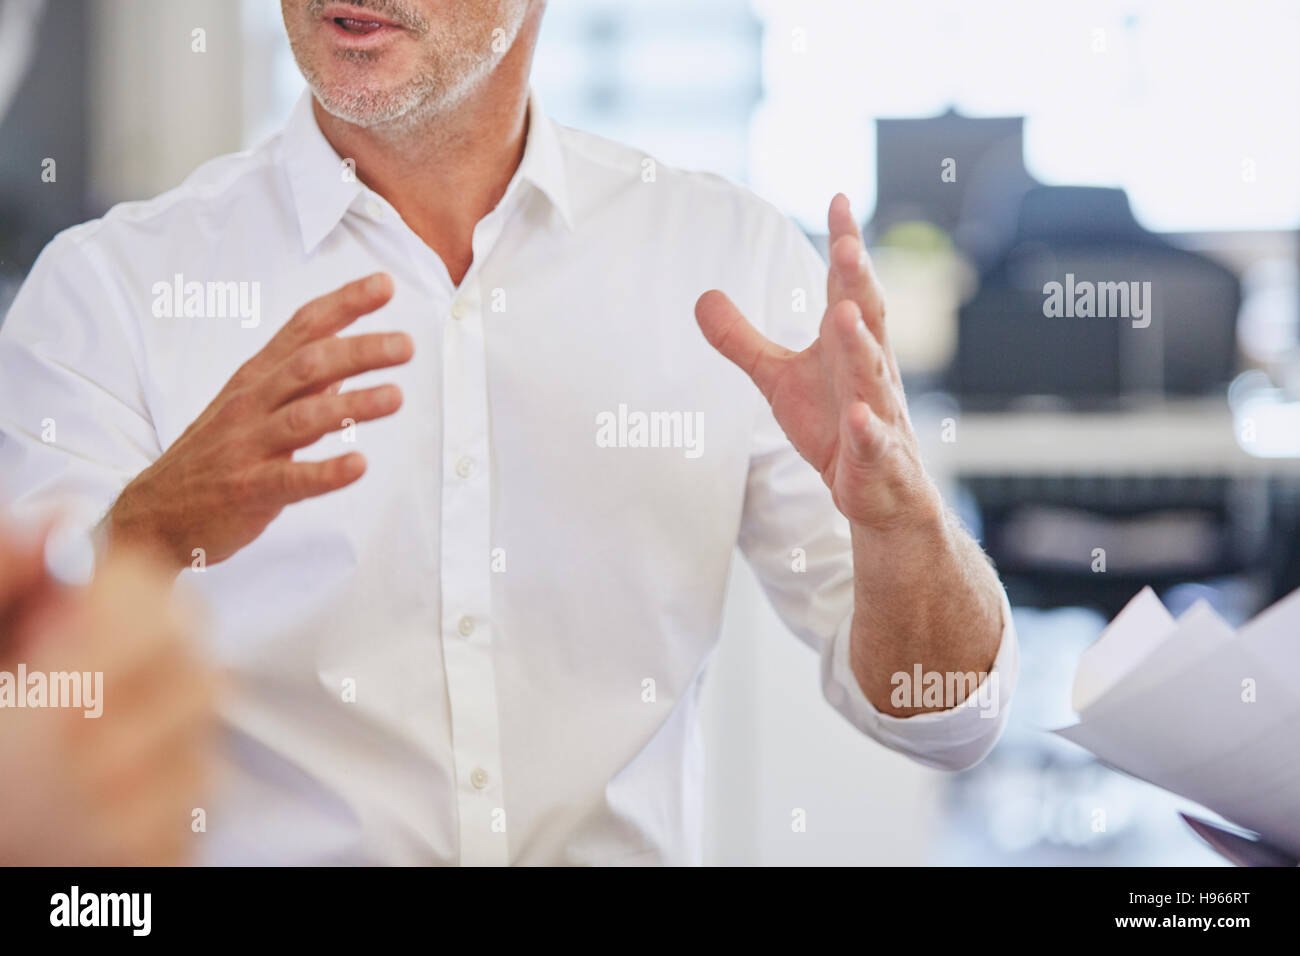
[[489, 650]]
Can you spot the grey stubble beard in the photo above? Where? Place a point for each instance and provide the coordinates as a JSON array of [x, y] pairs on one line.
[[443, 82]]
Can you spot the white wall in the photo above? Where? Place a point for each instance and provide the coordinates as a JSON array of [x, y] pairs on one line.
[[158, 108], [774, 745]]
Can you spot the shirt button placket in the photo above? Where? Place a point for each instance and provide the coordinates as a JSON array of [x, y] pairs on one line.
[[465, 567]]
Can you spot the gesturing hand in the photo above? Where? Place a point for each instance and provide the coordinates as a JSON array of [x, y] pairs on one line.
[[840, 401], [232, 471], [119, 788]]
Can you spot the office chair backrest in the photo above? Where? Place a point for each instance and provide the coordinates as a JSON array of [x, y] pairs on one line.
[[1086, 239]]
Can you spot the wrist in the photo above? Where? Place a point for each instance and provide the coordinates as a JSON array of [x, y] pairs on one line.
[[128, 525], [922, 520]]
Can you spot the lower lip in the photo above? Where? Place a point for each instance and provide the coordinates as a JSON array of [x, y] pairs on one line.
[[359, 41]]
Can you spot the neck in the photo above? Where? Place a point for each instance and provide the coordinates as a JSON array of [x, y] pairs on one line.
[[446, 173]]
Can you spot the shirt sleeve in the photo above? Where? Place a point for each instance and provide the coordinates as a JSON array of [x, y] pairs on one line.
[[74, 424], [798, 544]]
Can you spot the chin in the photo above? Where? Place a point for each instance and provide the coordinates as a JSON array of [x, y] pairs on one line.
[[360, 89], [368, 105]]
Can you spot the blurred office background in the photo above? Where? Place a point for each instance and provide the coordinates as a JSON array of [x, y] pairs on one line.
[[987, 148]]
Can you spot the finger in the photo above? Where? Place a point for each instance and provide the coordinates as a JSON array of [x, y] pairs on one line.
[[286, 482], [321, 363], [859, 364], [728, 331], [22, 563], [839, 218], [326, 315], [864, 434], [851, 275], [333, 388], [304, 421], [841, 225], [30, 597]]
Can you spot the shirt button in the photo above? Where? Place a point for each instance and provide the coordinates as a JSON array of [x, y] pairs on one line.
[[465, 466], [458, 309], [479, 778], [465, 626]]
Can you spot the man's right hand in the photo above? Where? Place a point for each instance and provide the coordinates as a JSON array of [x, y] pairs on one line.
[[232, 471]]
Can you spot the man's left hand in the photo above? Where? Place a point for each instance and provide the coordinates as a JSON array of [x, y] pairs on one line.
[[840, 401]]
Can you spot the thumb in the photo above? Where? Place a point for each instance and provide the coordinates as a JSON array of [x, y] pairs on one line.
[[728, 331]]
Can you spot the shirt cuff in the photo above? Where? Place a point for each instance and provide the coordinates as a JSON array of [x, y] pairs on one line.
[[953, 739]]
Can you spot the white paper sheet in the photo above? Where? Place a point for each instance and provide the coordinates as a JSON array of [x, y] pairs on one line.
[[1193, 707]]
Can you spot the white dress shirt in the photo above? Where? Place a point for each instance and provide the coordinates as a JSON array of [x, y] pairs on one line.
[[489, 649]]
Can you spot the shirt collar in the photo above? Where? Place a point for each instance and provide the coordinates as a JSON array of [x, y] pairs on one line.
[[324, 189], [543, 162]]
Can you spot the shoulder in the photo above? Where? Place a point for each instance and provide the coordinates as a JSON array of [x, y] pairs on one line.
[[700, 228], [210, 201], [605, 170]]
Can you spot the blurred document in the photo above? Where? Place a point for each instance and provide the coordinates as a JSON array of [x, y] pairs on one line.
[[1197, 708]]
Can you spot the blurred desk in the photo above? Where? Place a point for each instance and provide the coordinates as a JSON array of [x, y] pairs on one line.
[[1189, 438]]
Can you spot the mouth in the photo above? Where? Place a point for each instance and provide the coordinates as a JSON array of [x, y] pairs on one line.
[[356, 26]]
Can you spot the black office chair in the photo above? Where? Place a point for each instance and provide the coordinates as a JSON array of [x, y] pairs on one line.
[[1007, 348]]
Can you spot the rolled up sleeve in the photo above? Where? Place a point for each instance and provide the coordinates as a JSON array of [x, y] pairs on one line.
[[953, 739], [74, 426]]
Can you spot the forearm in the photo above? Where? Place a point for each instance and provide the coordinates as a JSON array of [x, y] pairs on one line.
[[924, 595]]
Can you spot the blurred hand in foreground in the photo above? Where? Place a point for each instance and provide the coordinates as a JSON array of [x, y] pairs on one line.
[[119, 788]]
